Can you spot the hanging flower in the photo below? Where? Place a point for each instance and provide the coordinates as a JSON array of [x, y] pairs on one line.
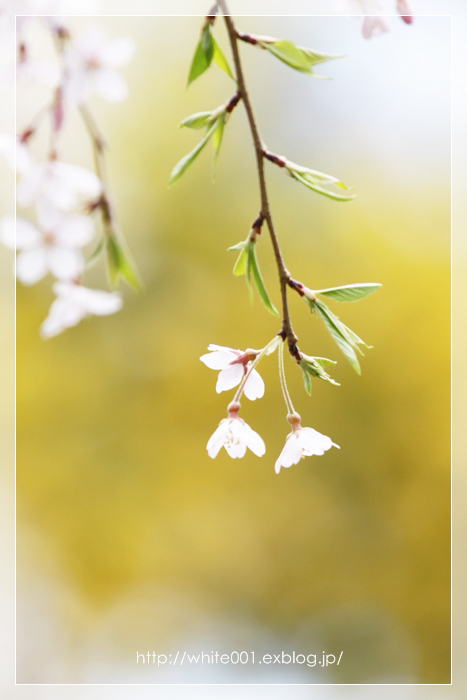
[[302, 442], [60, 185], [53, 246], [375, 21], [73, 303], [235, 435], [90, 62], [15, 152], [233, 365]]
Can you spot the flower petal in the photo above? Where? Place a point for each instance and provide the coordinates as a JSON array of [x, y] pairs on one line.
[[98, 302], [74, 231], [255, 442], [65, 263], [291, 453], [110, 85], [254, 386], [31, 265], [62, 314], [118, 52], [23, 235], [228, 378], [217, 360], [216, 440], [313, 442]]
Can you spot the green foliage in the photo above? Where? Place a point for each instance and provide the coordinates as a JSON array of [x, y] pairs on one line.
[[247, 264], [313, 367], [206, 51], [314, 179], [120, 265], [96, 254], [196, 121], [346, 340], [216, 143], [297, 57], [252, 262], [219, 58], [349, 292], [183, 164]]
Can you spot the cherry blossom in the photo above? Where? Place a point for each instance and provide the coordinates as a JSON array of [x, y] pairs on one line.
[[233, 365], [15, 152], [375, 21], [61, 185], [302, 442], [73, 303], [53, 246], [90, 62], [235, 435]]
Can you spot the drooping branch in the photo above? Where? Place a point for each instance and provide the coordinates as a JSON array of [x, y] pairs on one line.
[[287, 331]]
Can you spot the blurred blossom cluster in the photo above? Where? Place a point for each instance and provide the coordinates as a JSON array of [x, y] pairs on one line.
[[62, 198], [376, 13]]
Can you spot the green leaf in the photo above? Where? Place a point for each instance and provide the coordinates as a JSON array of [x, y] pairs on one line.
[[241, 263], [344, 337], [315, 57], [324, 362], [120, 265], [259, 282], [196, 121], [349, 292], [220, 59], [249, 256], [320, 190], [306, 381], [203, 56], [216, 143], [289, 54], [183, 164], [96, 254], [313, 366]]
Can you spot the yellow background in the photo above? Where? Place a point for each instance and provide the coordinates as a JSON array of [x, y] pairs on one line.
[[142, 540]]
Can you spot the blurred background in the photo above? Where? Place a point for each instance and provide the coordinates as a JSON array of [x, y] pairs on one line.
[[128, 536]]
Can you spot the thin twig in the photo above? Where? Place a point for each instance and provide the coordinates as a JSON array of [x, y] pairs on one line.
[[287, 331]]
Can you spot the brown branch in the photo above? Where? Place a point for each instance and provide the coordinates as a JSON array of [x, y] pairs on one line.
[[287, 331]]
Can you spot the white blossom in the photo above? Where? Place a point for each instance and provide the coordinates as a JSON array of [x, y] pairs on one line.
[[375, 13], [235, 435], [233, 365], [73, 303], [53, 246], [90, 64], [15, 152], [302, 442], [60, 185]]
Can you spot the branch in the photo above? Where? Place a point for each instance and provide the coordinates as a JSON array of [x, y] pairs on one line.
[[287, 331]]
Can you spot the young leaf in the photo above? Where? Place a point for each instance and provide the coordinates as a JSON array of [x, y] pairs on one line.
[[120, 265], [315, 57], [306, 381], [96, 254], [344, 337], [220, 59], [313, 366], [249, 257], [320, 190], [183, 164], [349, 292], [216, 143], [289, 54], [259, 282], [196, 121], [204, 53], [241, 263]]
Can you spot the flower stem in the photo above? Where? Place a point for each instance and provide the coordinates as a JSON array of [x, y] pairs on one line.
[[285, 391], [256, 361], [284, 275]]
